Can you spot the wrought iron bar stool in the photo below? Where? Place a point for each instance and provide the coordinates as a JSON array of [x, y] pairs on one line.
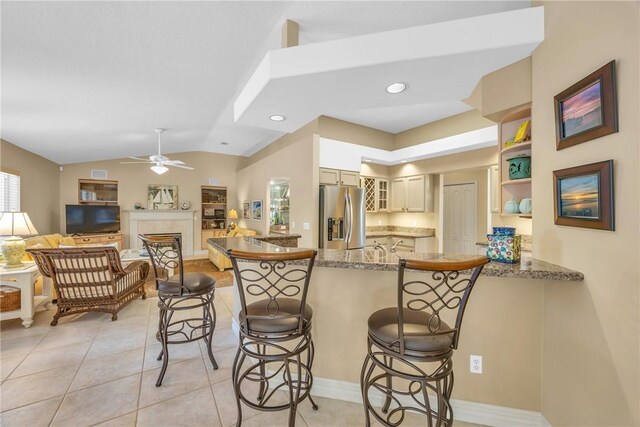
[[275, 329], [180, 293], [413, 344]]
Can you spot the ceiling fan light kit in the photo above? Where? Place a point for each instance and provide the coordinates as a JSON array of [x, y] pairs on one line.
[[159, 169], [159, 161]]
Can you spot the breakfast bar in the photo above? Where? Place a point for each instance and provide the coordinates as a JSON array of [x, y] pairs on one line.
[[503, 322]]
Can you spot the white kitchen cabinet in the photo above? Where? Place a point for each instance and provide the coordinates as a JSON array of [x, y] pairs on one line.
[[415, 193], [329, 176], [349, 178], [425, 245], [398, 195], [338, 177], [382, 195], [412, 194], [376, 194]]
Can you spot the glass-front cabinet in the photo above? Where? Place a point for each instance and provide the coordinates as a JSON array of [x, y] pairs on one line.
[[376, 194], [279, 205]]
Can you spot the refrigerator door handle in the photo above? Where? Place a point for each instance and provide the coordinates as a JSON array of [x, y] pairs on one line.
[[349, 215]]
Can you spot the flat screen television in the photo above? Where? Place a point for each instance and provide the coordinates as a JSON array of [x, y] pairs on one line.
[[92, 219]]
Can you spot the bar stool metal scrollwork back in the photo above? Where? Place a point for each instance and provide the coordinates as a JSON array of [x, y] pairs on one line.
[[275, 329], [413, 344], [177, 296]]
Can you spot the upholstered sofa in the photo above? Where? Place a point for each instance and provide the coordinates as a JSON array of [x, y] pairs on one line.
[[219, 259]]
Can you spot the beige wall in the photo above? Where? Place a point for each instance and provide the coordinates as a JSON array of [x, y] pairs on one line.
[[133, 180], [591, 353], [502, 90], [503, 323], [39, 185], [299, 164], [331, 128], [454, 125]]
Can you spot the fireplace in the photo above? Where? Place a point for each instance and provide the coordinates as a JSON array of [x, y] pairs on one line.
[[162, 222]]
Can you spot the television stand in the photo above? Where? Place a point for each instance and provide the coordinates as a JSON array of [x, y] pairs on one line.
[[100, 239]]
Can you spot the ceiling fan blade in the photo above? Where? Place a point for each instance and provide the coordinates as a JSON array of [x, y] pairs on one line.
[[178, 166], [174, 162], [138, 158], [130, 163]]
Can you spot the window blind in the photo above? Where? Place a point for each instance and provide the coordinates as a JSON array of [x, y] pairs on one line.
[[10, 194]]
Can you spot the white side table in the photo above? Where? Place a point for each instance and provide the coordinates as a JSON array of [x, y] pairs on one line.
[[127, 256], [24, 277]]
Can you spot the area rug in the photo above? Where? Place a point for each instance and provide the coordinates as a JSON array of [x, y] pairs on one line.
[[223, 278]]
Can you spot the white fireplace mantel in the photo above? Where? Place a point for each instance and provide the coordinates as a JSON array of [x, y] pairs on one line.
[[162, 221]]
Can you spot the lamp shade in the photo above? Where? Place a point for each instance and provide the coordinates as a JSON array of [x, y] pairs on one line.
[[233, 214], [16, 224]]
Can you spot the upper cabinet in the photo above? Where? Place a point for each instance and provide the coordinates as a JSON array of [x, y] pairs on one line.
[[412, 194], [97, 192], [339, 177], [376, 194], [515, 161]]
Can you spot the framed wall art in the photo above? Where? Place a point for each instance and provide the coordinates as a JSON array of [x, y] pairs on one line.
[[246, 210], [583, 196], [588, 109], [162, 197], [256, 209]]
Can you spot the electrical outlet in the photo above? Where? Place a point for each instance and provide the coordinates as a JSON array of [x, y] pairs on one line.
[[475, 364], [293, 225]]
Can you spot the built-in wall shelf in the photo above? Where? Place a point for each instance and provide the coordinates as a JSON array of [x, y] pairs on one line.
[[517, 182], [517, 147], [514, 189]]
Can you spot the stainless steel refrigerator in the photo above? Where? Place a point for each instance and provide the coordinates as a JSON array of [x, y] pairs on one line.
[[342, 217]]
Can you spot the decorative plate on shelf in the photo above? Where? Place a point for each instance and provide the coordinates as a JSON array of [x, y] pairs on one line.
[[185, 206]]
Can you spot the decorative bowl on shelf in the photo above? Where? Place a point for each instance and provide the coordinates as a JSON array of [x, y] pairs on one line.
[[520, 167], [525, 205], [512, 206]]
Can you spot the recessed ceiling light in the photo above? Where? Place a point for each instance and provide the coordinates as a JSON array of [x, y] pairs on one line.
[[277, 118], [403, 161], [367, 160], [396, 87], [224, 143]]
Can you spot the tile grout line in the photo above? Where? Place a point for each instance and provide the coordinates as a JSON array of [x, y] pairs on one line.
[[26, 355], [209, 377], [72, 380], [144, 352]]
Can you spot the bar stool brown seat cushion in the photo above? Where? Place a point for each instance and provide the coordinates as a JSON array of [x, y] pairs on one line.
[[383, 326], [193, 282], [276, 324]]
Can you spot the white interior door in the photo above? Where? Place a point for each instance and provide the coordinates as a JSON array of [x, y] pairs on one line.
[[459, 218]]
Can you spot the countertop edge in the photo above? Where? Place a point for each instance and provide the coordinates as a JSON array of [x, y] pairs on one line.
[[493, 269]]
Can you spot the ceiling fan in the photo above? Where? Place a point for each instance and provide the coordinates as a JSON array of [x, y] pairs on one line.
[[159, 161]]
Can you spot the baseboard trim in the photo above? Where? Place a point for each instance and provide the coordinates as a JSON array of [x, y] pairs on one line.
[[470, 412], [464, 410]]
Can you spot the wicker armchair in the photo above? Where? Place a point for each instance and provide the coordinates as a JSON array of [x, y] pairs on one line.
[[91, 279]]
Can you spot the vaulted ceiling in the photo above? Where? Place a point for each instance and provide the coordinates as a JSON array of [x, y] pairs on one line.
[[84, 81]]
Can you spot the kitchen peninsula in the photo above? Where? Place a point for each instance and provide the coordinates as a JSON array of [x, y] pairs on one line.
[[503, 322]]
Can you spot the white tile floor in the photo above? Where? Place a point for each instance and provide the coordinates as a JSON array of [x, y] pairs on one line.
[[91, 371]]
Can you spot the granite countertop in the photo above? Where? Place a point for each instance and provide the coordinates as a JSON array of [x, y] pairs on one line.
[[372, 259], [397, 231], [276, 236]]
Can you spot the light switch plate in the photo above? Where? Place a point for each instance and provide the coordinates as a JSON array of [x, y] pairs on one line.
[[306, 226]]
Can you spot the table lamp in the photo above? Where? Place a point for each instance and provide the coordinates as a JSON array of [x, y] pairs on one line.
[[233, 214], [15, 224]]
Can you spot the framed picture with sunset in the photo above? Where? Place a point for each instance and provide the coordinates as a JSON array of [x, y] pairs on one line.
[[588, 109], [583, 196]]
